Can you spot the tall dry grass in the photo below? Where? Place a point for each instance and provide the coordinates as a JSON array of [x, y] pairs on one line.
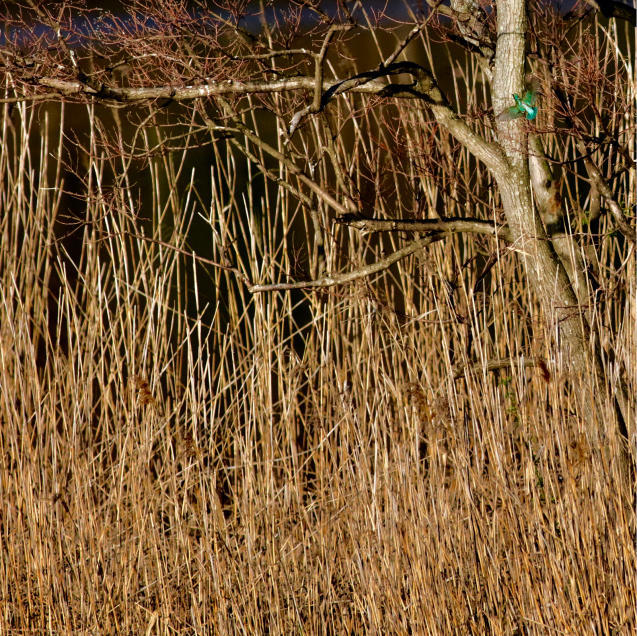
[[177, 455]]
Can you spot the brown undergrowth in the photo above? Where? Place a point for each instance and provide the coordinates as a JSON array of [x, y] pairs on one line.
[[177, 455]]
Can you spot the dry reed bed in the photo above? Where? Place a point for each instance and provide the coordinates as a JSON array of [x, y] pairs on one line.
[[287, 463]]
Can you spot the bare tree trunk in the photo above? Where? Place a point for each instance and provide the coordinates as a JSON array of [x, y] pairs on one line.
[[542, 266]]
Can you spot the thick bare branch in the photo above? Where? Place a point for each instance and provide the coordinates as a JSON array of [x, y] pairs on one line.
[[319, 61], [598, 181], [454, 225], [286, 161], [501, 363], [363, 272], [424, 87]]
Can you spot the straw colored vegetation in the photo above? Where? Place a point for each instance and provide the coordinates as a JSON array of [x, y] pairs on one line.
[[178, 455]]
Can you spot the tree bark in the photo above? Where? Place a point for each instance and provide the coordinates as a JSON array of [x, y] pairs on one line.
[[542, 266]]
